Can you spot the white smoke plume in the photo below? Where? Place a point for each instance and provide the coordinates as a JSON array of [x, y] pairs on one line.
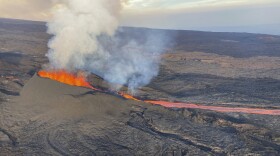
[[86, 37]]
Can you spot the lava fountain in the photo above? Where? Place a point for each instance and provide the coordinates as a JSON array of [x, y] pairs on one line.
[[66, 78], [80, 81]]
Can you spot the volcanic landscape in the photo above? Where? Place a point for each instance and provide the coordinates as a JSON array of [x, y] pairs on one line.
[[216, 94]]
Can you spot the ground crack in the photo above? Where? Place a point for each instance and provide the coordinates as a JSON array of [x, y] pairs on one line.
[[11, 137], [139, 122], [7, 92]]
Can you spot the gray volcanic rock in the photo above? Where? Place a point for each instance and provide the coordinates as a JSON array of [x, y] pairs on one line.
[[51, 118], [44, 117]]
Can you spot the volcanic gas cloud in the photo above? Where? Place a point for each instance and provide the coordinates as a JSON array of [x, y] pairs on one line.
[[84, 39]]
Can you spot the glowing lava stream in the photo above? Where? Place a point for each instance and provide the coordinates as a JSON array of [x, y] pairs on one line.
[[217, 108], [80, 81]]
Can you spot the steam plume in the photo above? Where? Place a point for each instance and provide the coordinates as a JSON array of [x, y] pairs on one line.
[[85, 39]]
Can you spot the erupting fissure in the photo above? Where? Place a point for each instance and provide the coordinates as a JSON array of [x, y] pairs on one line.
[[66, 78], [80, 81]]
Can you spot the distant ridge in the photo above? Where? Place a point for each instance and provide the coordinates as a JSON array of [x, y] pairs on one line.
[[22, 25], [21, 21], [233, 44]]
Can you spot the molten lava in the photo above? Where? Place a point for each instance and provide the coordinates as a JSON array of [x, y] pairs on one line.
[[66, 78], [217, 108], [80, 81], [127, 96]]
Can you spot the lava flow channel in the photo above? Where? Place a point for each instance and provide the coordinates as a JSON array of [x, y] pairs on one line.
[[80, 81], [217, 108]]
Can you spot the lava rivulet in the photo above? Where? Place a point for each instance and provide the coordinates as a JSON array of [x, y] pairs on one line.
[[128, 96], [217, 108], [80, 81]]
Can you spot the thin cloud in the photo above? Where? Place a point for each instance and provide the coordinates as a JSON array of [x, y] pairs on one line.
[[175, 14], [25, 9]]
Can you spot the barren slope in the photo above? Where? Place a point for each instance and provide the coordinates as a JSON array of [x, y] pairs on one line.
[[43, 117], [51, 118]]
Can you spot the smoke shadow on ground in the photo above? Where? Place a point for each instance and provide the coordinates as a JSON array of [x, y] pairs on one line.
[[13, 58]]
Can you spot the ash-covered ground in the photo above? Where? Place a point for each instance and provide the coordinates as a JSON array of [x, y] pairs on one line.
[[44, 117]]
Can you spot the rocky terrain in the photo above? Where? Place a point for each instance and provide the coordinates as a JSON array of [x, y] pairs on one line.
[[44, 117]]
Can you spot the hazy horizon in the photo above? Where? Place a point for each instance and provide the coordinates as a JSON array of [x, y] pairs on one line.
[[259, 16]]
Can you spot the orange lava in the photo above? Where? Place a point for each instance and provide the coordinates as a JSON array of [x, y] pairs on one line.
[[217, 108], [66, 78], [80, 81], [127, 96]]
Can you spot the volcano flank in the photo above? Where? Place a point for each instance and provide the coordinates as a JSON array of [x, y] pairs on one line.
[[215, 94], [59, 119]]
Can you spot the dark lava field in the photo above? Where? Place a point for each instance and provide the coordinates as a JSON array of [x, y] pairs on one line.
[[43, 117]]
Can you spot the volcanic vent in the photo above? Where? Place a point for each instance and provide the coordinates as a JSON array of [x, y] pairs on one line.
[[59, 119], [79, 80]]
